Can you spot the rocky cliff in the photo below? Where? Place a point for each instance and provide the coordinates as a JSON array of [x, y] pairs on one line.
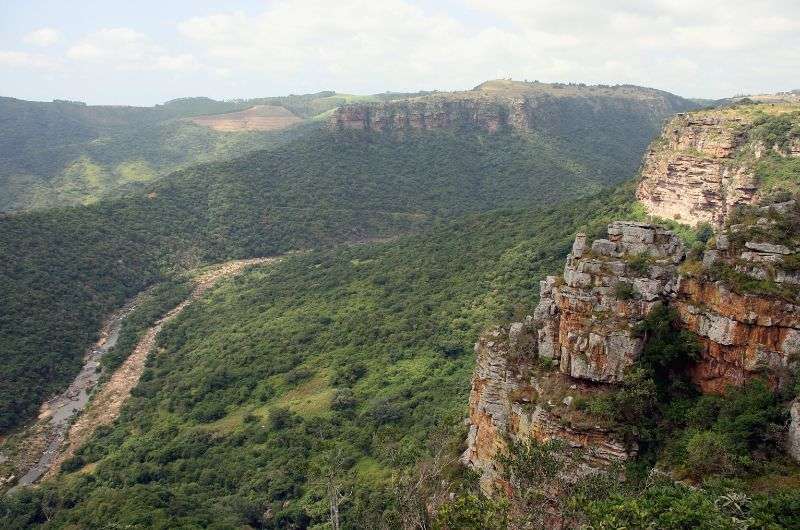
[[707, 163], [585, 334], [502, 104]]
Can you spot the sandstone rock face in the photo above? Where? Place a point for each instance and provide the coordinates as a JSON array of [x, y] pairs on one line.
[[512, 400], [741, 336], [794, 431], [584, 327], [690, 174], [500, 104], [585, 323]]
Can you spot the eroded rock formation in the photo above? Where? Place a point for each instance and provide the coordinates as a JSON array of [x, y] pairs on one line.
[[514, 105], [585, 329], [690, 174], [434, 112], [514, 398], [588, 316]]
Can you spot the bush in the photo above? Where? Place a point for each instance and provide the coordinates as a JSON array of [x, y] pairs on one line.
[[640, 263], [281, 418], [624, 291], [298, 375], [343, 399], [472, 512], [348, 374], [667, 346], [707, 453]]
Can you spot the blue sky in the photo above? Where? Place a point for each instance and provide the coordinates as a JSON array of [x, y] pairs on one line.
[[146, 52]]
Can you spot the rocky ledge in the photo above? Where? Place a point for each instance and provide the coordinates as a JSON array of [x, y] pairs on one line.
[[434, 112]]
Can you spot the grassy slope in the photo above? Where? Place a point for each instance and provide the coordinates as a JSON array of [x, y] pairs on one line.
[[201, 442]]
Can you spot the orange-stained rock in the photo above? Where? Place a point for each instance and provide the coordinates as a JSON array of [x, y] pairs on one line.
[[741, 335], [587, 322], [513, 399]]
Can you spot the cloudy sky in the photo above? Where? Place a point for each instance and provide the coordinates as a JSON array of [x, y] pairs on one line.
[[146, 51]]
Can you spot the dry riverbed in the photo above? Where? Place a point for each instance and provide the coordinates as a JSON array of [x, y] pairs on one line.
[[66, 422]]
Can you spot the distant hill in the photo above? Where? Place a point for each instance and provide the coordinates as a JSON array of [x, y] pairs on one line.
[[66, 153]]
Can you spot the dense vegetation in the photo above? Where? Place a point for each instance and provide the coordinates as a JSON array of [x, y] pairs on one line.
[[363, 352], [63, 153], [62, 270]]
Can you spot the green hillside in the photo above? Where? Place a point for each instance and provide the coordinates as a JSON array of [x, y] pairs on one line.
[[356, 361], [63, 270], [64, 153], [367, 349]]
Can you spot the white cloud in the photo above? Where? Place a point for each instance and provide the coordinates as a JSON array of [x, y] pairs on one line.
[[127, 49], [397, 44], [42, 37], [32, 61], [711, 48]]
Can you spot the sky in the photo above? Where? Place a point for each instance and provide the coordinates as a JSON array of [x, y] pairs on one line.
[[146, 52]]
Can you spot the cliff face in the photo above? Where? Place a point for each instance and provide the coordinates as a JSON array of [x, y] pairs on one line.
[[515, 399], [497, 105], [585, 329], [690, 174], [586, 325], [433, 112], [706, 163]]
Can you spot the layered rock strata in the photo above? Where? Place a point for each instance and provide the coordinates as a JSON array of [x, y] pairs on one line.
[[691, 175], [588, 316], [585, 330], [484, 112], [514, 399]]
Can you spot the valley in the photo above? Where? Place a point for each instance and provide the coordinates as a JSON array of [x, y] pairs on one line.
[[644, 385]]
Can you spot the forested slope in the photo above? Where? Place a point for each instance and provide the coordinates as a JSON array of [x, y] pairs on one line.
[[365, 349], [62, 270]]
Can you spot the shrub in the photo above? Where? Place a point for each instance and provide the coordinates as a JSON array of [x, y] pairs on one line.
[[667, 346], [208, 411], [347, 375], [472, 512], [624, 291], [640, 263], [343, 399], [298, 375], [281, 418], [704, 232], [450, 348], [708, 453]]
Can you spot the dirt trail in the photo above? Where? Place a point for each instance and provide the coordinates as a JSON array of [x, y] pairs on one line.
[[106, 404]]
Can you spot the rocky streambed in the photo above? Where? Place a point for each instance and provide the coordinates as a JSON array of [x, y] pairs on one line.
[[42, 444], [67, 421]]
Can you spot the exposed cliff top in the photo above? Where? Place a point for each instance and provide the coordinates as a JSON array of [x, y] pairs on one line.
[[519, 105]]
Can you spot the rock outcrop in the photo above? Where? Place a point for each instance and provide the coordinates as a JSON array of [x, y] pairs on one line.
[[691, 175], [514, 105], [589, 315], [794, 430], [706, 163], [585, 329], [515, 399]]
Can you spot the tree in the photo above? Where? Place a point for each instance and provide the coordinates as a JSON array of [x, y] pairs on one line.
[[331, 474]]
